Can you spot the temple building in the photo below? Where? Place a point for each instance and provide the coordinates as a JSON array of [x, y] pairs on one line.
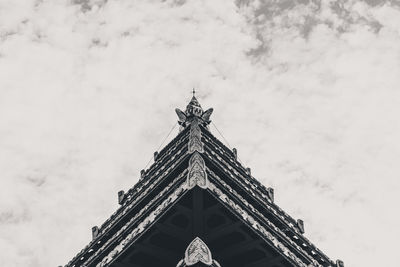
[[196, 205]]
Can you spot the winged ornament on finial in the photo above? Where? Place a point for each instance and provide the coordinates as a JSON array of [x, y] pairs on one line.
[[194, 111]]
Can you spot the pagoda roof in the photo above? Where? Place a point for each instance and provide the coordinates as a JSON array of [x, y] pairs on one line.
[[195, 158]]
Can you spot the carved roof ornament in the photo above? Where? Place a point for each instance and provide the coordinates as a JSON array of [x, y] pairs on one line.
[[193, 111], [197, 172], [195, 143], [197, 251]]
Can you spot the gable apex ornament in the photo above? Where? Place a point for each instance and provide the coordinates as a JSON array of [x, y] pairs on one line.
[[197, 172], [194, 111], [197, 251]]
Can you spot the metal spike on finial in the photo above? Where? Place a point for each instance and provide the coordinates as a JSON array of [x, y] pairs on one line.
[[194, 92]]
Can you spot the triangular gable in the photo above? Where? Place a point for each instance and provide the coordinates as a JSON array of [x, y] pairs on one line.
[[196, 160], [196, 178]]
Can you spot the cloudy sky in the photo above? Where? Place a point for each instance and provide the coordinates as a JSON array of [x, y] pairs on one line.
[[307, 91]]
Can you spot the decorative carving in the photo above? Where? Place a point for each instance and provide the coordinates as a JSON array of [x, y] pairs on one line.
[[95, 232], [181, 116], [193, 110], [270, 193], [206, 115], [195, 143], [300, 225], [197, 172], [197, 251], [234, 151], [121, 197]]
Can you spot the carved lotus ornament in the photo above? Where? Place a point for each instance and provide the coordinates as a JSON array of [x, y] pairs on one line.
[[197, 172], [197, 251]]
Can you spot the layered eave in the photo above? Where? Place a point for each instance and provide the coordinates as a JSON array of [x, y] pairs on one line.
[[169, 162], [238, 181], [197, 158]]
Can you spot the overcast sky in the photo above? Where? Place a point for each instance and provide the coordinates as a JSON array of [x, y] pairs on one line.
[[307, 91]]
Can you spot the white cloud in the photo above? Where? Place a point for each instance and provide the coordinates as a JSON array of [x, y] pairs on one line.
[[306, 90]]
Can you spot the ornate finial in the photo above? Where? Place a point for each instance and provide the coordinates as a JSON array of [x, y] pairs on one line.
[[197, 174], [194, 110], [197, 251]]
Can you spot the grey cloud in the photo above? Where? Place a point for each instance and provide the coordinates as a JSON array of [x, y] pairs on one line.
[[307, 92]]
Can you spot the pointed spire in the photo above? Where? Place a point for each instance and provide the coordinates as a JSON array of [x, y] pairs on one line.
[[194, 110]]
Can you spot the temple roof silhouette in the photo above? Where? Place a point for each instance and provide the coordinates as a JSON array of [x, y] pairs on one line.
[[196, 205]]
